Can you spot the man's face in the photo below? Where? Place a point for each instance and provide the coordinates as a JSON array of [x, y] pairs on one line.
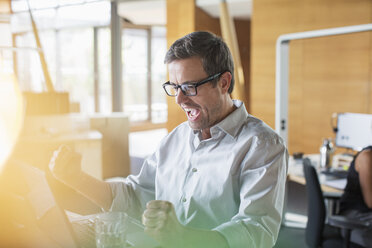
[[207, 107]]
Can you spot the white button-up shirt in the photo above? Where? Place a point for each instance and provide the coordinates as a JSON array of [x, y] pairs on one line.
[[233, 182]]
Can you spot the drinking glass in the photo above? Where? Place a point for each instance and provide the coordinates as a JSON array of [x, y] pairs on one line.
[[111, 230]]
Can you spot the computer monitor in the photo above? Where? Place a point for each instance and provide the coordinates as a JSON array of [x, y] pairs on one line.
[[354, 130]]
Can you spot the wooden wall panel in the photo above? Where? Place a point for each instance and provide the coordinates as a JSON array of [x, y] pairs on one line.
[[369, 90], [5, 7], [327, 75], [243, 31], [204, 22], [180, 21]]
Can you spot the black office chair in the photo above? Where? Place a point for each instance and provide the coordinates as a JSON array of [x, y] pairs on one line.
[[318, 233]]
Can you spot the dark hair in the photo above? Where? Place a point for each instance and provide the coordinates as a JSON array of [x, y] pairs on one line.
[[212, 50]]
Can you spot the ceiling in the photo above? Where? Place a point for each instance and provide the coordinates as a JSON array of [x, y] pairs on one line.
[[148, 12], [240, 9]]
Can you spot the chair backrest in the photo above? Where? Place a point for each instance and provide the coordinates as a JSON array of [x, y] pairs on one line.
[[316, 210]]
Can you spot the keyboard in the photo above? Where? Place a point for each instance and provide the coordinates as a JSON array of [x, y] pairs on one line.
[[84, 232]]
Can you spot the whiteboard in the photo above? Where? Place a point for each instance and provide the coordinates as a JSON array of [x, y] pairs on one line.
[[354, 130]]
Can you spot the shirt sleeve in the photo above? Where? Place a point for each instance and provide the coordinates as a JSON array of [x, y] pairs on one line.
[[132, 194], [262, 186]]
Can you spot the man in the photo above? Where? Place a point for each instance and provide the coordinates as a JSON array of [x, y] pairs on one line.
[[216, 180]]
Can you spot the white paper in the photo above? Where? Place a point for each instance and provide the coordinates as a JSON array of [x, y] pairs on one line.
[[337, 183]]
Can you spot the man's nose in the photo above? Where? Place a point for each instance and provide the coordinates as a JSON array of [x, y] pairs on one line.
[[180, 96]]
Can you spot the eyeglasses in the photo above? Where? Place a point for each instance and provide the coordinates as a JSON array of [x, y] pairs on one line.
[[188, 89]]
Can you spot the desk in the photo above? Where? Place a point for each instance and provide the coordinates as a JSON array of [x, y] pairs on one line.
[[328, 183]]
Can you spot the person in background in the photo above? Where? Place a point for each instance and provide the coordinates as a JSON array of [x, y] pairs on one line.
[[217, 180], [356, 202]]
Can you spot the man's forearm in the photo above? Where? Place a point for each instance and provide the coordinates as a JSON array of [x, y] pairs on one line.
[[95, 190]]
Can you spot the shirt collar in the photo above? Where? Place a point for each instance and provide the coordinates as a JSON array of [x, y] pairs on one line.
[[232, 123]]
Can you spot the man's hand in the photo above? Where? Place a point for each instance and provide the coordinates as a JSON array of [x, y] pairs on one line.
[[162, 224], [65, 165]]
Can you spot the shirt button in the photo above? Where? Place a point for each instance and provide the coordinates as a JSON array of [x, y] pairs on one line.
[[184, 199], [194, 170]]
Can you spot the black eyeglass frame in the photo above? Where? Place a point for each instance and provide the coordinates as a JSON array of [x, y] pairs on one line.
[[194, 85]]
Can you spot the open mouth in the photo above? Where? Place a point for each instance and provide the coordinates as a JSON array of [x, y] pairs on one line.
[[192, 114]]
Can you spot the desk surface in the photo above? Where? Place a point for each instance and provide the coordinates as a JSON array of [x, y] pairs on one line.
[[328, 183]]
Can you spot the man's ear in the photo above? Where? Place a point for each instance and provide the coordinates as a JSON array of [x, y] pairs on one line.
[[225, 81]]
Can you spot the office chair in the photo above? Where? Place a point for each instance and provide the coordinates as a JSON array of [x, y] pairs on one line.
[[318, 233]]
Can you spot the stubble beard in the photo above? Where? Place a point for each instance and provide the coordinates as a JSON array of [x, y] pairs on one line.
[[206, 121]]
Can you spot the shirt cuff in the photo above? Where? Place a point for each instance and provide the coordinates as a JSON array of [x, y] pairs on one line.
[[124, 199], [119, 194]]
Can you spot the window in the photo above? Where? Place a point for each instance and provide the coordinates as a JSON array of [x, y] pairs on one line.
[[135, 73], [143, 73], [104, 99], [159, 108], [77, 47], [76, 66]]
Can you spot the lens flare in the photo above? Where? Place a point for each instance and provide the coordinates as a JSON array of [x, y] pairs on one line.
[[11, 114]]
